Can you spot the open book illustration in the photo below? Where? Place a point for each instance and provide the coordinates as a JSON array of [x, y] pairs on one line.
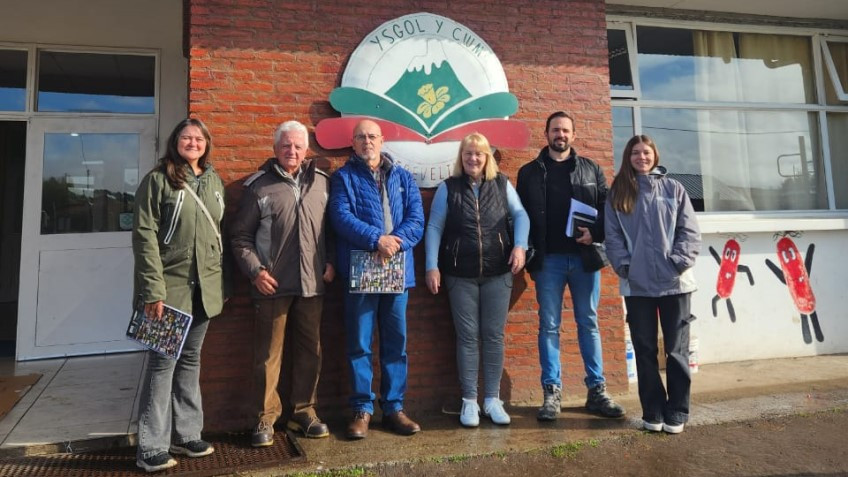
[[165, 336], [371, 273], [580, 215]]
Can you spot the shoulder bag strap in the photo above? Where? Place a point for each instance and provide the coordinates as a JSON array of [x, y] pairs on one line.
[[207, 214]]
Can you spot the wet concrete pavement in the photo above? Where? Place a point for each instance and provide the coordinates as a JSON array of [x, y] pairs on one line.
[[721, 393]]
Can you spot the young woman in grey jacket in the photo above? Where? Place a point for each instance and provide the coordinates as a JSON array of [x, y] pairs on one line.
[[652, 239]]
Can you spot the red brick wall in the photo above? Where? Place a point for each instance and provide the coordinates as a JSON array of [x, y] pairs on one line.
[[255, 63]]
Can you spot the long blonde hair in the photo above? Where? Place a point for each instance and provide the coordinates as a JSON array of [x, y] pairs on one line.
[[490, 170], [624, 187]]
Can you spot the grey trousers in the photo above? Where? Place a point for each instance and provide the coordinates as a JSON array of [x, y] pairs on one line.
[[479, 307]]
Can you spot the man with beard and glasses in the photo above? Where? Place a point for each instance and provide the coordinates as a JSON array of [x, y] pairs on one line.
[[546, 187]]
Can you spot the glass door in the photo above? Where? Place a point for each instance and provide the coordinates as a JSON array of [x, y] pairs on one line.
[[76, 256]]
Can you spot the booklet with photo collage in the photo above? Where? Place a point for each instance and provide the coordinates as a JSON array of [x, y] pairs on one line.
[[371, 273], [165, 336]]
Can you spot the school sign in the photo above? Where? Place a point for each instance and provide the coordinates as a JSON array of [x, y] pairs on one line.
[[428, 81]]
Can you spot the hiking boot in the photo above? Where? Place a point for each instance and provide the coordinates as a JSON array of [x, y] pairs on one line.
[[470, 414], [309, 425], [160, 461], [598, 401], [263, 435], [400, 423], [358, 426], [552, 404], [493, 407], [196, 448]]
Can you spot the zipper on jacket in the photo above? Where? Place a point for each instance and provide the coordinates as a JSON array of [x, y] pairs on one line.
[[175, 217], [221, 204], [503, 248], [479, 234]]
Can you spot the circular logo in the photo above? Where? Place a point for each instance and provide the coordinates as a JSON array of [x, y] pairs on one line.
[[428, 81]]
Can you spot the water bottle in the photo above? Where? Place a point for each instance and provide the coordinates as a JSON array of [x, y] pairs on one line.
[[630, 357]]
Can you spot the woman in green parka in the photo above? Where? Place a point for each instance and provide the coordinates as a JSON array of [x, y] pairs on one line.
[[178, 262]]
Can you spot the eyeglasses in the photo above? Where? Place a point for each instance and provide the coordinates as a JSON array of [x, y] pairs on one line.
[[370, 137]]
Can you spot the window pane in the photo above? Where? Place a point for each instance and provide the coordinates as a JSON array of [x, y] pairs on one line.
[[622, 131], [89, 182], [95, 83], [837, 125], [741, 160], [13, 74], [839, 55], [692, 65], [619, 61]]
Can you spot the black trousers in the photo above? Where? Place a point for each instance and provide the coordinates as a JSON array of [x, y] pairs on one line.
[[671, 407]]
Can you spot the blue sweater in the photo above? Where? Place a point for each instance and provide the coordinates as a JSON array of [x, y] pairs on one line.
[[356, 211]]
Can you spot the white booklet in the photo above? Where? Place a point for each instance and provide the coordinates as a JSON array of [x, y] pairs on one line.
[[580, 215]]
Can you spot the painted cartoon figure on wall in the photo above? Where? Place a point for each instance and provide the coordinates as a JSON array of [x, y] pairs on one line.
[[728, 267], [795, 274]]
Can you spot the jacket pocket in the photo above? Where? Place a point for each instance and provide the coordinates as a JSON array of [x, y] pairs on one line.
[[175, 218]]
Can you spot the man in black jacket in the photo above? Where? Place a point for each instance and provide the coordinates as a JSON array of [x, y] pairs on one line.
[[547, 186]]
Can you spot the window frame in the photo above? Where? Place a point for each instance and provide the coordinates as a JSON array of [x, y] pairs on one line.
[[32, 79], [830, 218], [840, 91]]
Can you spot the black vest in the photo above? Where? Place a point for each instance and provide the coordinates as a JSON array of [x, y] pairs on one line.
[[477, 239]]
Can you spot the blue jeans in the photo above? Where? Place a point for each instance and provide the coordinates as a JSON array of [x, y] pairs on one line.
[[559, 270], [170, 409], [362, 312]]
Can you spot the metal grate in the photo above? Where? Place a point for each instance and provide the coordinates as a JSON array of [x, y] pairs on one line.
[[233, 453]]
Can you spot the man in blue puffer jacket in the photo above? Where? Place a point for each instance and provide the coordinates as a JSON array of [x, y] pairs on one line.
[[375, 205]]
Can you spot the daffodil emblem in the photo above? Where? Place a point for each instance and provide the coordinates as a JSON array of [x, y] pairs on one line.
[[434, 100]]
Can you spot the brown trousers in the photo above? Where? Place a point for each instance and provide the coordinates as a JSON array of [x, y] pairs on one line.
[[303, 318]]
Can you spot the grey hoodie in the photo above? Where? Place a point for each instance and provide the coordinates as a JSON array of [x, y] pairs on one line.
[[653, 248]]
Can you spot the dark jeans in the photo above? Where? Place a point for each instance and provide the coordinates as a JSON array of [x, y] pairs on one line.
[[674, 317]]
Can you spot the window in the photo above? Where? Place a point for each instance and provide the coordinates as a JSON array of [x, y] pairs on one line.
[[95, 83], [89, 182], [737, 116], [13, 75]]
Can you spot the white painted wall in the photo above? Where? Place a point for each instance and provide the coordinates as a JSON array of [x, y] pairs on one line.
[[153, 24], [768, 325]]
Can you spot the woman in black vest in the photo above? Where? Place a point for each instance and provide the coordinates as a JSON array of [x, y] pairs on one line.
[[476, 236]]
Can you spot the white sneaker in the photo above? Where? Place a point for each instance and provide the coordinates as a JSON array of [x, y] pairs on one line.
[[673, 428], [493, 407], [652, 426], [470, 414]]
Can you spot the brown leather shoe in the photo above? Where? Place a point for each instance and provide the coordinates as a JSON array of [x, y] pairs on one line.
[[358, 427], [400, 424]]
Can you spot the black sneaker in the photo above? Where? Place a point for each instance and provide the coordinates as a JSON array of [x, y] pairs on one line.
[[196, 448], [598, 401], [160, 461], [263, 435]]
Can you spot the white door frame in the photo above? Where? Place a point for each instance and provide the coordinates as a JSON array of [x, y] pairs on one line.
[[100, 322]]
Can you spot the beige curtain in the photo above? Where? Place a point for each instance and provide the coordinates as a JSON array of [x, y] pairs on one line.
[[745, 155], [838, 126]]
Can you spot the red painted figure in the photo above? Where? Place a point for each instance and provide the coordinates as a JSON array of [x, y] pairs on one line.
[[795, 274], [728, 267]]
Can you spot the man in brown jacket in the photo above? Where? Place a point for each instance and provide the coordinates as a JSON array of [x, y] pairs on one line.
[[279, 241]]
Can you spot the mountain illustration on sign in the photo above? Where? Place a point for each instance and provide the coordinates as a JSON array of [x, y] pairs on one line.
[[430, 102], [437, 86]]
